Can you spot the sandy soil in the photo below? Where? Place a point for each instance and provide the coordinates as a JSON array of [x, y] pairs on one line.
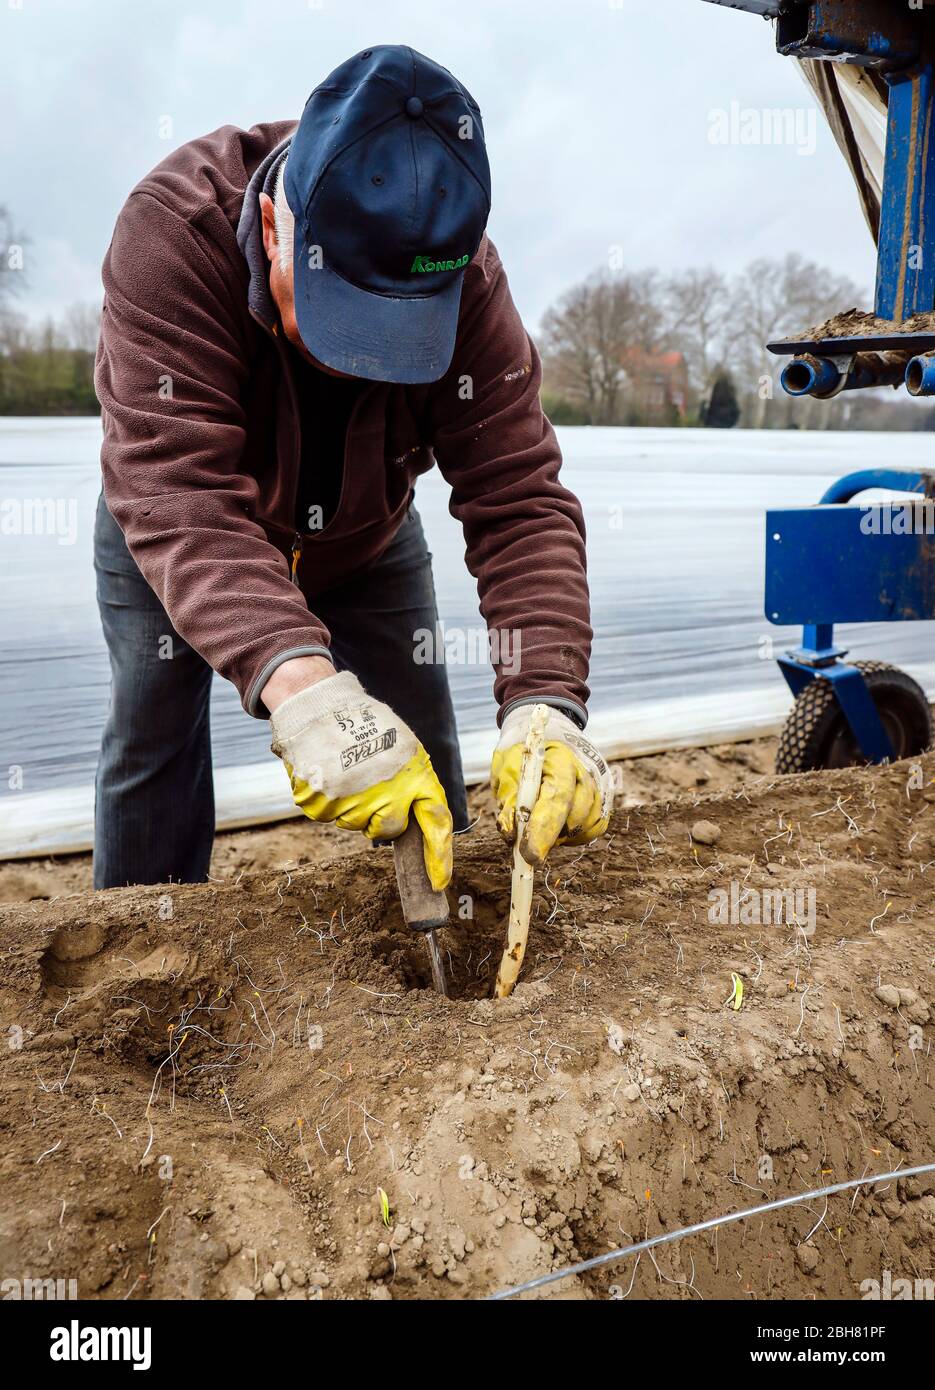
[[855, 321], [297, 841], [208, 1090]]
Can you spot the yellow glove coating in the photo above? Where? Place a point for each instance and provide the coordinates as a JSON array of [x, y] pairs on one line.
[[569, 809], [382, 811]]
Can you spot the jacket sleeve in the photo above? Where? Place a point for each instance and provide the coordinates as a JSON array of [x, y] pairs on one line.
[[524, 531], [170, 374]]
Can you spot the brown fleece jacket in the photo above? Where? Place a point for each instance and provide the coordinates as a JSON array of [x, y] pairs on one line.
[[201, 441]]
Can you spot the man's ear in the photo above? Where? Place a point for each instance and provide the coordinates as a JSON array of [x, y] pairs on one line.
[[268, 214]]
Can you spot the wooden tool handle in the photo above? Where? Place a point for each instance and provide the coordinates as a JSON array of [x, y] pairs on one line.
[[423, 908]]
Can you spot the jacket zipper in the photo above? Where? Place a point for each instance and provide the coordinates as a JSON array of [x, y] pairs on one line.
[[298, 538]]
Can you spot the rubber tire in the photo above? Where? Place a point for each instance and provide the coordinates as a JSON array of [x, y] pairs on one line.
[[816, 734]]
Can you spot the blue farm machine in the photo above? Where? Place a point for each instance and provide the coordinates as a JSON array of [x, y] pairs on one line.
[[825, 564]]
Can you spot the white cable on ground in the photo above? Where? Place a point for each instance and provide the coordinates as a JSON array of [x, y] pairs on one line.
[[709, 1225]]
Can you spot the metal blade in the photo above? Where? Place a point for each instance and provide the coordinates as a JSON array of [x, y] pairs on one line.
[[438, 969]]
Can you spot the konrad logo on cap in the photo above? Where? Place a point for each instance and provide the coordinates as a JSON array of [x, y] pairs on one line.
[[423, 264]]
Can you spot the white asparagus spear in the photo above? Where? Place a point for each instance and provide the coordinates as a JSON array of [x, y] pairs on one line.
[[530, 779]]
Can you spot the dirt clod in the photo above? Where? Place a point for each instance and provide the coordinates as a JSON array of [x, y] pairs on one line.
[[705, 832]]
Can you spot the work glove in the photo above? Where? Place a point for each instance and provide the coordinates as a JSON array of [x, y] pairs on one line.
[[351, 760], [574, 800]]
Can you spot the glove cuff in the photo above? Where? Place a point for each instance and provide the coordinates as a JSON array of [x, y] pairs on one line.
[[314, 703], [560, 729], [513, 729], [575, 712]]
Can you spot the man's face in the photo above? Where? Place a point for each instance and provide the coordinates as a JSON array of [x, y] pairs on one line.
[[282, 289]]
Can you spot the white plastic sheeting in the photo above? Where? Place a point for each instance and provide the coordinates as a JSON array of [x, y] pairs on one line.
[[854, 101], [867, 111], [681, 653]]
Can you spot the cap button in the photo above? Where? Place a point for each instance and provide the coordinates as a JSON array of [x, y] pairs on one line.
[[414, 107]]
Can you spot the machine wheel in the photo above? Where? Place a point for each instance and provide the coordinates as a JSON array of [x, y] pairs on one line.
[[816, 734]]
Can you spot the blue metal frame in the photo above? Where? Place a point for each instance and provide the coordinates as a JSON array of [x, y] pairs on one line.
[[855, 700], [886, 479], [815, 568], [905, 259], [820, 569], [898, 41], [869, 33]]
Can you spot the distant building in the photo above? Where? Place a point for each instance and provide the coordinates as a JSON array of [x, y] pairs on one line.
[[656, 389]]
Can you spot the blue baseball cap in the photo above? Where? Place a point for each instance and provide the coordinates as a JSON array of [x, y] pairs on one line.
[[388, 180]]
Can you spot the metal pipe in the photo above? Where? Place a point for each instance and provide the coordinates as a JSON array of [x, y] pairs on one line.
[[920, 375], [810, 376], [822, 377], [887, 479], [711, 1224]]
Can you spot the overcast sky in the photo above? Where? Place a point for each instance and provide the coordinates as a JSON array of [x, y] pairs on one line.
[[598, 116]]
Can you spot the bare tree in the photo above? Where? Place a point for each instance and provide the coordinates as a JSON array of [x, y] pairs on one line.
[[82, 326], [759, 313], [776, 299], [697, 304], [585, 336], [568, 347]]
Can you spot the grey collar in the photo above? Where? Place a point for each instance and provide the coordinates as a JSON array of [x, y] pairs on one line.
[[250, 236]]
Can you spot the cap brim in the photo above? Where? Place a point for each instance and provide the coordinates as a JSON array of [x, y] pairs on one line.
[[408, 341]]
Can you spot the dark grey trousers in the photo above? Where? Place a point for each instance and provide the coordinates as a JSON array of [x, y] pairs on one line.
[[154, 810]]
